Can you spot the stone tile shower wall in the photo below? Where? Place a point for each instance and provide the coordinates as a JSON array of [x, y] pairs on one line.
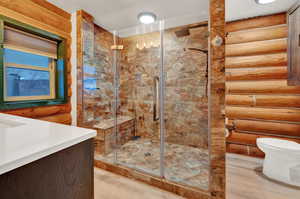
[[137, 70], [186, 105], [97, 73]]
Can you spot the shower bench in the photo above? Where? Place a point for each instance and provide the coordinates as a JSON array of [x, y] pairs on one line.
[[105, 139]]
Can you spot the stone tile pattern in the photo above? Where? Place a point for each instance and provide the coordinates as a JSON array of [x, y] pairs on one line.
[[97, 73], [105, 142], [183, 164], [82, 18], [186, 109], [216, 119]]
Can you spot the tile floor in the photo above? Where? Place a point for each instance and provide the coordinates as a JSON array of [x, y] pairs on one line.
[[183, 164], [243, 182]]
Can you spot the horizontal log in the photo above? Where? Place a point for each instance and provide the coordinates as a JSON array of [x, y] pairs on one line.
[[259, 34], [256, 22], [244, 150], [264, 100], [268, 60], [265, 73], [69, 92], [51, 110], [265, 127], [69, 80], [32, 10], [250, 139], [33, 22], [53, 8], [262, 87], [257, 48], [60, 118], [244, 113], [42, 111]]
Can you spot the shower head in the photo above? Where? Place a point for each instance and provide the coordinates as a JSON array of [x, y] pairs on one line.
[[196, 49], [186, 31], [183, 33]]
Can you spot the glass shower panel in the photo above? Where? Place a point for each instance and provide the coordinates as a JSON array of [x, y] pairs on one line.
[[145, 89], [98, 88], [97, 76], [88, 71], [138, 111], [186, 158]]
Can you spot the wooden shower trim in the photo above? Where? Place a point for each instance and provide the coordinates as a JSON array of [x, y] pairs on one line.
[[216, 116], [216, 100]]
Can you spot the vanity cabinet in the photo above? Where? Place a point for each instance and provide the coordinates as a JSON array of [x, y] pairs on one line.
[[293, 18], [67, 174], [43, 160]]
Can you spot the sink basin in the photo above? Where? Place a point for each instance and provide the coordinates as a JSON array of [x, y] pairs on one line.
[[4, 124]]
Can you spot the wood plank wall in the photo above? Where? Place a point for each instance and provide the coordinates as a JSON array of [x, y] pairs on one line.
[[259, 103], [41, 14]]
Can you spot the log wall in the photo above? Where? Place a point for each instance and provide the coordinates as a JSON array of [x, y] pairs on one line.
[[43, 15], [259, 103]]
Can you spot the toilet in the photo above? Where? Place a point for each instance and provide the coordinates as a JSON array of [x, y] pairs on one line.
[[282, 161]]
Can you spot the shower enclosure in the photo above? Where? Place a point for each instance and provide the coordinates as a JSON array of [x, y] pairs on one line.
[[146, 91]]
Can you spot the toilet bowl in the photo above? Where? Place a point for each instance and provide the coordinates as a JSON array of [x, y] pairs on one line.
[[282, 160]]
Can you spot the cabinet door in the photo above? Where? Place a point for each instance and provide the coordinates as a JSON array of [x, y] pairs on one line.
[[294, 47]]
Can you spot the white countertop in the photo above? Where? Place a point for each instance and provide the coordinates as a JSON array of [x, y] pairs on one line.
[[24, 140]]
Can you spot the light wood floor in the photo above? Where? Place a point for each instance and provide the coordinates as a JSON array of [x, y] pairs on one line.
[[243, 182]]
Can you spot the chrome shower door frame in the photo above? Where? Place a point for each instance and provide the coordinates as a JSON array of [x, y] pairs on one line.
[[161, 99]]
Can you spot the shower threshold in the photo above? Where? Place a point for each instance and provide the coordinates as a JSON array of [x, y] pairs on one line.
[[185, 165]]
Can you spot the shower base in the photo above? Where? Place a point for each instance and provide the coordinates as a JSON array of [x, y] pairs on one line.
[[184, 165]]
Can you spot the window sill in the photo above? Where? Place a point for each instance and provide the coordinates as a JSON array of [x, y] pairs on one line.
[[30, 104]]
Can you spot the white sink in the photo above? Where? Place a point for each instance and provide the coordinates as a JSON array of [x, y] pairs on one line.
[[4, 124]]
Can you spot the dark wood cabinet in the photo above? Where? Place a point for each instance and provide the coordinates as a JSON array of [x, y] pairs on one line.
[[293, 17], [67, 174]]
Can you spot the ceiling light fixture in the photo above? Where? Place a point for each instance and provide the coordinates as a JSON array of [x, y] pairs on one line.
[[147, 17], [264, 1]]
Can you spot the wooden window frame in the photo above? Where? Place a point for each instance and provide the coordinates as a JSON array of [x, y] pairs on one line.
[[51, 69], [58, 87]]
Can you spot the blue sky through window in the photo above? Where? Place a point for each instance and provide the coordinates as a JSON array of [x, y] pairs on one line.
[[18, 57]]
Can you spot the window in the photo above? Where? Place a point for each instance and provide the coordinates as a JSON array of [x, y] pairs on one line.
[[32, 69]]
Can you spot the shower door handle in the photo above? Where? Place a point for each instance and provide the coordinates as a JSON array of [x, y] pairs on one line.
[[156, 99]]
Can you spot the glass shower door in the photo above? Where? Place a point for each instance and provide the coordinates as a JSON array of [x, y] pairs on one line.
[[138, 63], [161, 101], [186, 158]]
